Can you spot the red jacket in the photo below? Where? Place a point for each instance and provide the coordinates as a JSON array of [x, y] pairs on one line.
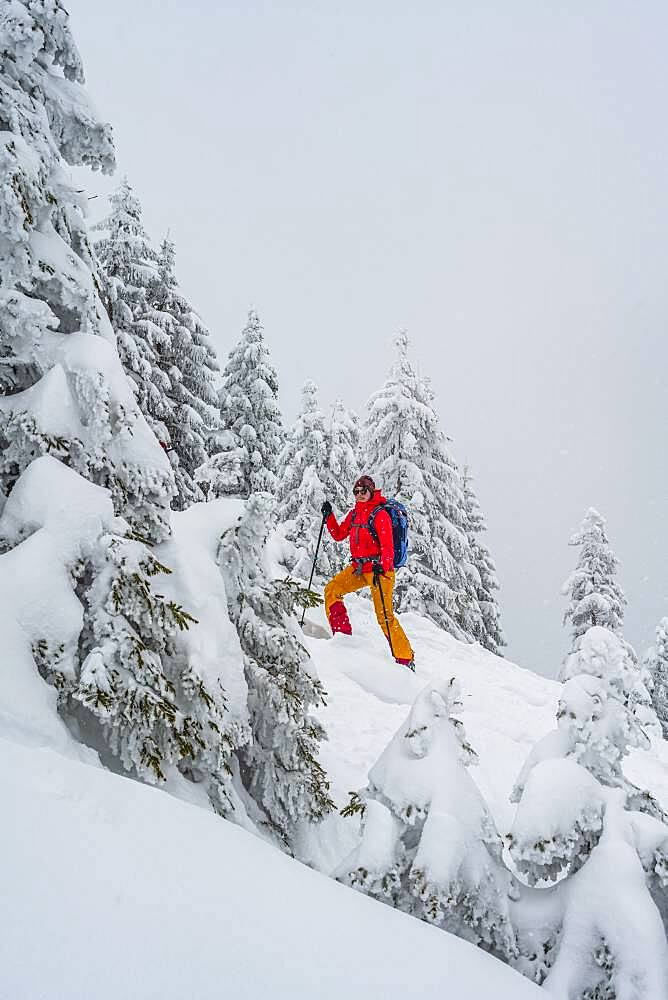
[[362, 542]]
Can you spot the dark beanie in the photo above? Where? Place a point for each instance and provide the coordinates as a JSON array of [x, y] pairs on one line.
[[367, 482]]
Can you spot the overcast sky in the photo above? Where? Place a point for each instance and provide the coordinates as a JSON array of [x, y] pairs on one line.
[[492, 177]]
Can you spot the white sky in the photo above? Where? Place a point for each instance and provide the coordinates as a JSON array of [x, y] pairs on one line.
[[491, 177]]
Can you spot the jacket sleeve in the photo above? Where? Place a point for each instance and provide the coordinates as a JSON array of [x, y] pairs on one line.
[[383, 526], [340, 531]]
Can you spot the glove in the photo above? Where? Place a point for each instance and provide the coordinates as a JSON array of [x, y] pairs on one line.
[[326, 509], [378, 571]]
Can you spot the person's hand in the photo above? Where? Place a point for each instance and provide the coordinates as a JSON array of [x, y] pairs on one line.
[[326, 509], [378, 571]]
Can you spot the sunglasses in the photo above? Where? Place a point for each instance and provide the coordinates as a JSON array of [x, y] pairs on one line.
[[360, 490]]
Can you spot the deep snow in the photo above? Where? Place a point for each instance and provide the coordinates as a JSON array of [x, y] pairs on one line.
[[114, 889]]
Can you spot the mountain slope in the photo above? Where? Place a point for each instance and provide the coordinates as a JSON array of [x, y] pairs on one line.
[[118, 890]]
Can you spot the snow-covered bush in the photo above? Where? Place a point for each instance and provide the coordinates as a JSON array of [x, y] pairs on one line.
[[222, 473], [245, 452], [558, 836], [405, 451], [63, 388], [280, 768], [429, 844], [582, 824]]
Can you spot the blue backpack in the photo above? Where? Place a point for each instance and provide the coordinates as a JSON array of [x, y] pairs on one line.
[[399, 518]]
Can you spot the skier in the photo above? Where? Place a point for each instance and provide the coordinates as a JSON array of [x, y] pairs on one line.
[[372, 566]]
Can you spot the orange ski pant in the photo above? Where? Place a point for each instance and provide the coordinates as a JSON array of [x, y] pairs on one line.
[[348, 581]]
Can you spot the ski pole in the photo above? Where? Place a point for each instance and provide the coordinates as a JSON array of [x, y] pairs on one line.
[[387, 624], [322, 525]]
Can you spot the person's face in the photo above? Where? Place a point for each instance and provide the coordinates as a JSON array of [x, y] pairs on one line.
[[361, 493]]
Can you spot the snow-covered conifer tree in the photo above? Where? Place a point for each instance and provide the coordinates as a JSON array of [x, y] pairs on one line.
[[342, 470], [73, 439], [486, 581], [405, 451], [594, 595], [121, 686], [304, 485], [580, 822], [429, 844], [63, 389], [188, 357], [245, 453], [280, 768], [657, 664], [129, 269], [343, 455]]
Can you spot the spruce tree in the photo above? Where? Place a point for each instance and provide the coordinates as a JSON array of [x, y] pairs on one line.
[[304, 485], [69, 424], [343, 455], [245, 453], [595, 597], [342, 470], [63, 388], [657, 664], [280, 767], [486, 581], [429, 844], [405, 451], [129, 269], [188, 357]]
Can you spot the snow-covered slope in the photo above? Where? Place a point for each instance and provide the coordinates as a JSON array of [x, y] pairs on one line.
[[103, 873], [113, 889], [505, 710]]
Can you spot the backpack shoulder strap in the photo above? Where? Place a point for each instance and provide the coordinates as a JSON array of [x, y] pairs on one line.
[[371, 522]]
